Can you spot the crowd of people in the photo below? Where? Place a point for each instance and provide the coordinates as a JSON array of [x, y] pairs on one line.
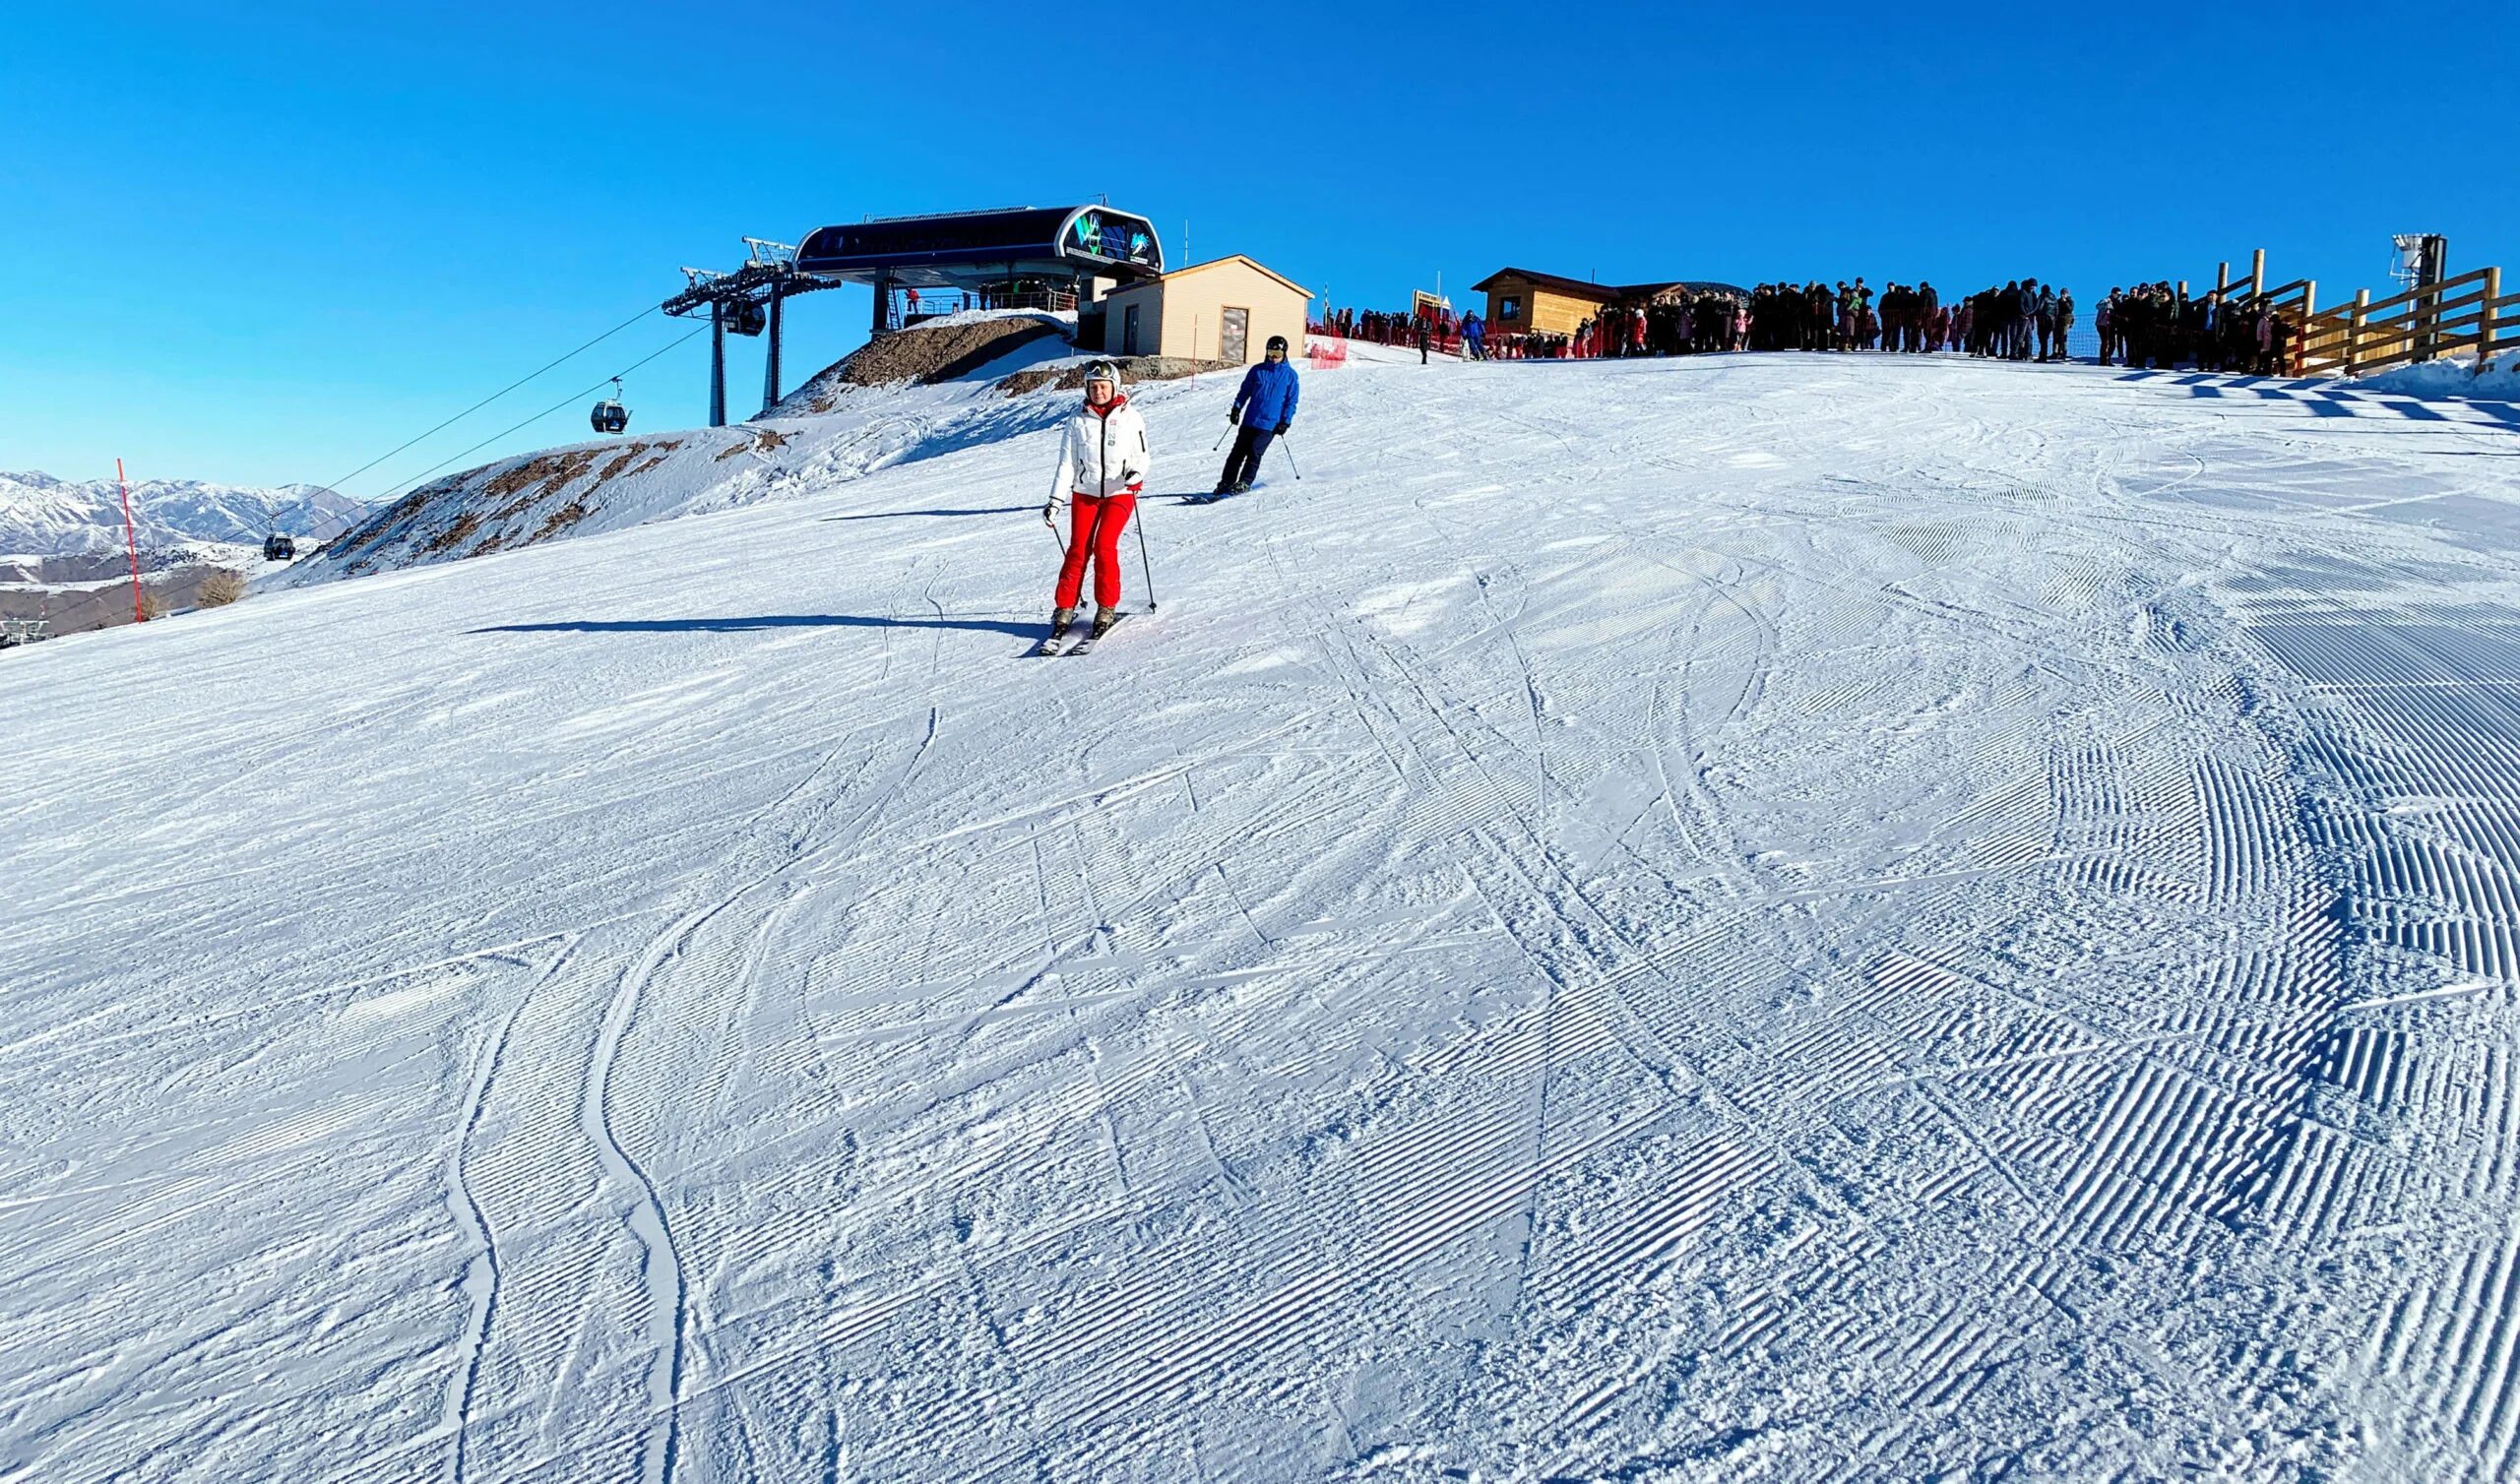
[[2156, 325], [2020, 320], [1679, 322], [1391, 327]]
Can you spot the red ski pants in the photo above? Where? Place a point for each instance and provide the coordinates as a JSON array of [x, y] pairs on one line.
[[1095, 527]]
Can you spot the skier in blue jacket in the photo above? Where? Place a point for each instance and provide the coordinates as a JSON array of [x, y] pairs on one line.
[[1264, 408]]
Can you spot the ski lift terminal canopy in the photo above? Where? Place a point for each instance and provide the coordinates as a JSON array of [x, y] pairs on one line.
[[977, 249]]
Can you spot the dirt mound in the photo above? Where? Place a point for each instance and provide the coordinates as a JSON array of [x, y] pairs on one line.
[[77, 610], [1133, 369], [923, 353]]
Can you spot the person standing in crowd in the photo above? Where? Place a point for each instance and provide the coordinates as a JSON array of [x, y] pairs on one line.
[[2064, 321], [1103, 467], [1264, 409]]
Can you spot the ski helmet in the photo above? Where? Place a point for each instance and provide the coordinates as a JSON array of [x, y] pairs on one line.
[[1104, 371], [1276, 342]]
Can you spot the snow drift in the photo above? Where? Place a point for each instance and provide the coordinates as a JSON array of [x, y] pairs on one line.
[[2452, 376]]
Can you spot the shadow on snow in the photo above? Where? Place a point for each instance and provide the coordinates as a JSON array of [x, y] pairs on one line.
[[904, 514], [736, 624]]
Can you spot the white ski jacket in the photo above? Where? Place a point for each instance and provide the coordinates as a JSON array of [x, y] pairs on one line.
[[1102, 453]]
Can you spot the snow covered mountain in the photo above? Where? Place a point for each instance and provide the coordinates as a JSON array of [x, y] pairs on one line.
[[42, 516], [1755, 917]]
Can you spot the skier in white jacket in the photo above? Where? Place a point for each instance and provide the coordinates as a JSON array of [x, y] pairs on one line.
[[1103, 466]]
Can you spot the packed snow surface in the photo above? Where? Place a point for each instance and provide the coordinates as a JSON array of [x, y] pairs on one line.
[[1743, 917]]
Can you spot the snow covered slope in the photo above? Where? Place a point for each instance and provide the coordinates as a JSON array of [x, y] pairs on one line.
[[42, 516], [829, 430], [1755, 917]]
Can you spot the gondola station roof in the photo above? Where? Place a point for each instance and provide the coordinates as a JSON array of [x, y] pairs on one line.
[[972, 249]]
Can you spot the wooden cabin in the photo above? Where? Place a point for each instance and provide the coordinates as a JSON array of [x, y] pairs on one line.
[[1224, 309], [1522, 302]]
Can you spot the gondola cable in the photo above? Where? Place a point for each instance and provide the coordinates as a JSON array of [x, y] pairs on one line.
[[336, 485], [547, 411]]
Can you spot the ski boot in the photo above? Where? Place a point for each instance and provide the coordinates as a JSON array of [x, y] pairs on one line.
[[1060, 618], [1104, 621]]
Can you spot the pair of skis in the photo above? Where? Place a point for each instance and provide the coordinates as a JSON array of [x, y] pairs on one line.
[[1048, 648]]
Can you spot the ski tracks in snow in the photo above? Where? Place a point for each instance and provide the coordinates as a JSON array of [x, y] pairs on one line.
[[1782, 913]]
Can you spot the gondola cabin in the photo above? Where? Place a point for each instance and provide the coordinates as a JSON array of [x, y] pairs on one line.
[[279, 548]]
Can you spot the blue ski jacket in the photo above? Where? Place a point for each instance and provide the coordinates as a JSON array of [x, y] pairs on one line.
[[1267, 396]]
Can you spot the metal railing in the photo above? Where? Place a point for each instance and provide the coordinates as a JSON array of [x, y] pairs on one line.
[[903, 311]]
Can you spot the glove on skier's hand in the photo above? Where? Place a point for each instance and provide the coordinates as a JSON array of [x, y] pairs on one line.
[[1283, 428], [1233, 417], [1050, 513]]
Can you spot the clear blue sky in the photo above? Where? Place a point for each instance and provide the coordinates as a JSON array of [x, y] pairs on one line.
[[266, 242]]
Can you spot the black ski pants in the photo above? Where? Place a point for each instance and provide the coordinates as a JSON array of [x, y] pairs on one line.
[[1243, 463]]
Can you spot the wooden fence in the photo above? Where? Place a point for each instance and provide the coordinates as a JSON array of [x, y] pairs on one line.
[[2470, 312]]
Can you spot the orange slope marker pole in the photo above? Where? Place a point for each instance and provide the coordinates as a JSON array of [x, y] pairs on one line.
[[131, 543]]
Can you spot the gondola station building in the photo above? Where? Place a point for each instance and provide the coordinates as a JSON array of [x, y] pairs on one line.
[[1102, 265]]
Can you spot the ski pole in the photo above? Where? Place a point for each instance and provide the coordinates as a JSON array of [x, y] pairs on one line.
[[1222, 437], [1047, 522], [1144, 565], [1289, 444]]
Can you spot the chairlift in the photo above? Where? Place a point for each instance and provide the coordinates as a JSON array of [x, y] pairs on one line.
[[279, 547], [609, 416]]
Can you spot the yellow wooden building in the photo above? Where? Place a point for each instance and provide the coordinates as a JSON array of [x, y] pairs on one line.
[[1522, 302], [1224, 309]]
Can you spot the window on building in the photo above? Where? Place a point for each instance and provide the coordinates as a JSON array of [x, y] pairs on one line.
[[1510, 308]]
